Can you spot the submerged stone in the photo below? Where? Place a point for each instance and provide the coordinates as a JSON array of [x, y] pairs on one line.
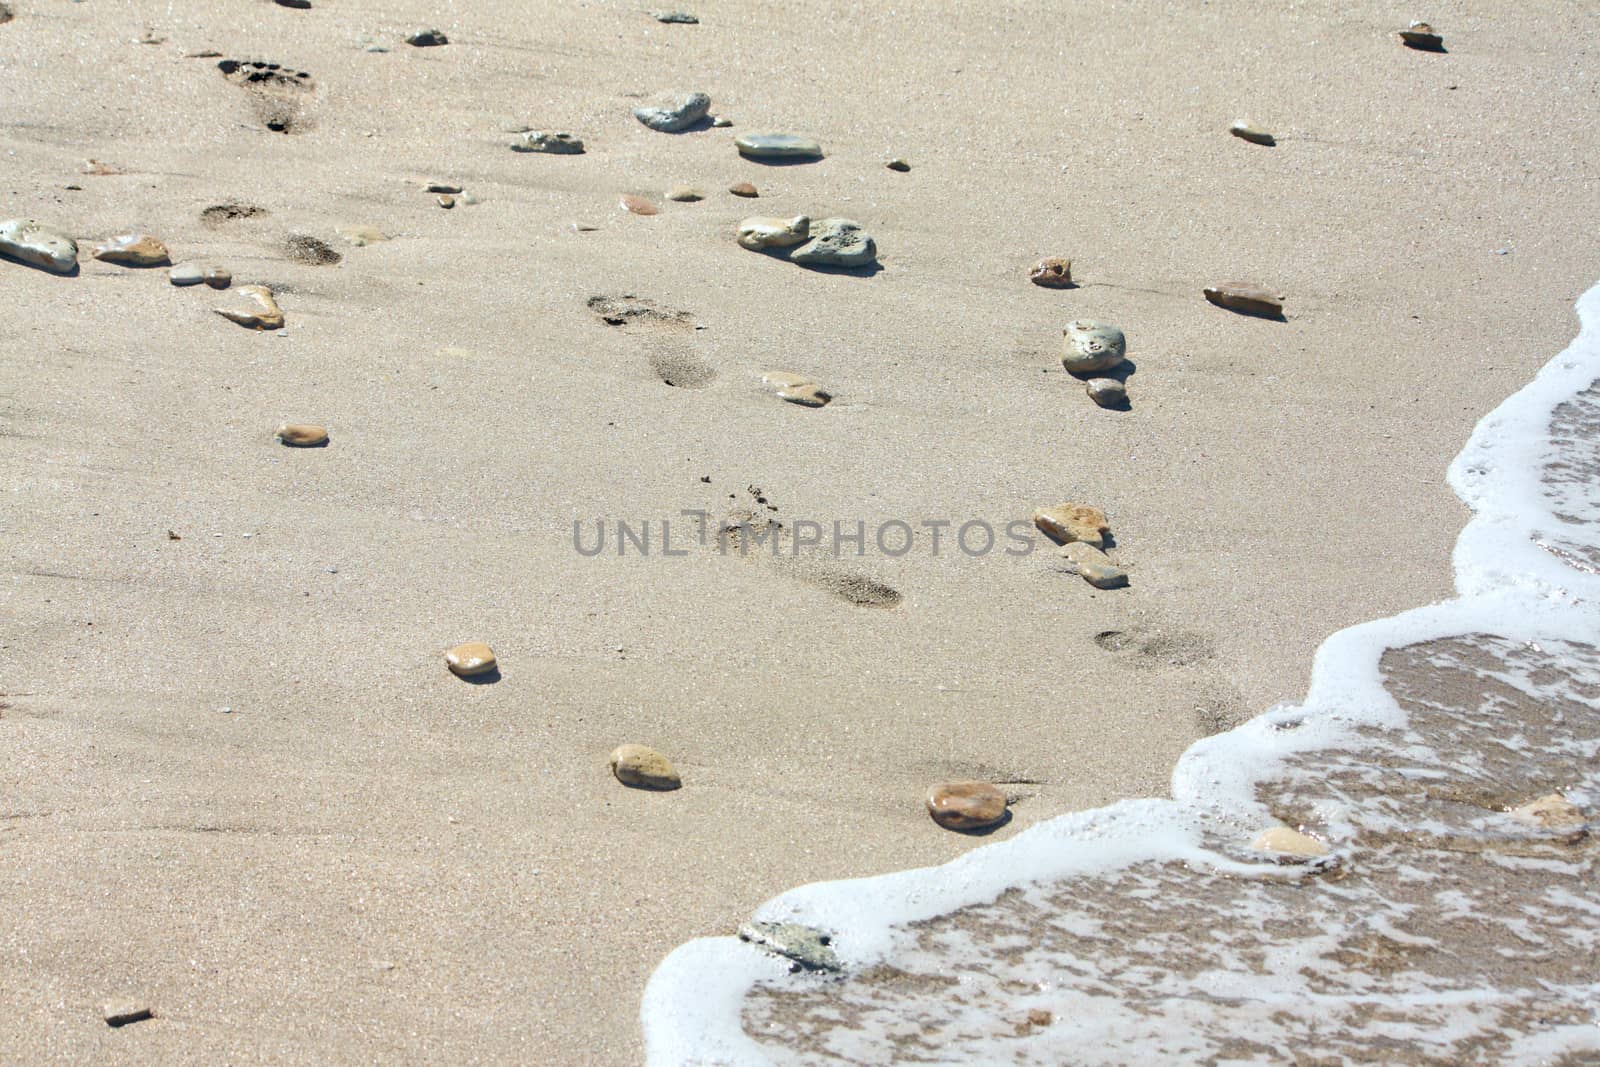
[[38, 245], [1550, 812], [777, 146], [1287, 842], [836, 243], [1092, 346], [807, 947]]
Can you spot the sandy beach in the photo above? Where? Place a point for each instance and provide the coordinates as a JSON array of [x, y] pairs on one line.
[[237, 781]]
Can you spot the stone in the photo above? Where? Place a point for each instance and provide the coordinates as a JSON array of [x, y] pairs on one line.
[[427, 38], [1422, 37], [583, 227], [836, 243], [186, 274], [639, 205], [1094, 566], [898, 165], [1107, 392], [966, 805], [38, 245], [446, 201], [5, 13], [218, 277], [258, 310], [1246, 132], [360, 236], [806, 947], [685, 194], [549, 142], [1550, 812], [678, 18], [722, 122], [1067, 523], [1246, 297], [132, 250], [442, 187], [1286, 842], [674, 113], [778, 146], [471, 659], [1091, 346], [120, 1011], [744, 189], [643, 768], [764, 231], [1052, 273], [299, 5], [797, 389], [302, 435]]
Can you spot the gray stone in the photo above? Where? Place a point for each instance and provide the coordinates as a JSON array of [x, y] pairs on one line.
[[1107, 392], [764, 231], [836, 243], [1094, 566], [1091, 346], [808, 948], [186, 274], [674, 113], [555, 144], [427, 38], [38, 245], [777, 146], [1246, 132]]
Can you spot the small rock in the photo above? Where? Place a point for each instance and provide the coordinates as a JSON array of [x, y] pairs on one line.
[[1550, 812], [898, 165], [639, 205], [1107, 392], [966, 805], [1246, 132], [186, 274], [5, 13], [218, 277], [427, 38], [120, 1011], [797, 389], [299, 5], [442, 187], [643, 768], [360, 236], [446, 201], [302, 435], [806, 946], [471, 659], [836, 243], [584, 227], [1422, 37], [685, 194], [1094, 566], [1091, 346], [721, 121], [1052, 273], [744, 189], [674, 113], [259, 311], [1245, 297], [777, 146], [764, 231], [680, 18], [1073, 522], [1287, 842], [132, 250], [549, 142], [38, 245]]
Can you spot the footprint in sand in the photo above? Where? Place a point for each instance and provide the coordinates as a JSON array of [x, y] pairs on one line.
[[219, 215], [665, 335], [753, 535], [1161, 648], [280, 95]]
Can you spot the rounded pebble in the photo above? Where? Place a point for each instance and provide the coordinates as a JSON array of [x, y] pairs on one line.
[[1107, 392], [744, 189], [966, 805], [898, 165], [218, 277], [1287, 842], [1091, 346], [1052, 273], [639, 205], [471, 659], [186, 274], [685, 194], [302, 435], [643, 767]]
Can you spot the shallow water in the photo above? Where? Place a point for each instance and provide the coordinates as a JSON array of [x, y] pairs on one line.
[[1441, 927]]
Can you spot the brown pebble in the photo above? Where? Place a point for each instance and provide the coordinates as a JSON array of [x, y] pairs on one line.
[[684, 194], [639, 205], [132, 250], [1245, 297], [447, 201], [302, 434], [264, 315], [1290, 843], [218, 277], [1052, 273], [471, 659], [1073, 522], [643, 768], [966, 805], [744, 189]]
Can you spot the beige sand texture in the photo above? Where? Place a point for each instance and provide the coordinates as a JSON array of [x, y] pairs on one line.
[[370, 860]]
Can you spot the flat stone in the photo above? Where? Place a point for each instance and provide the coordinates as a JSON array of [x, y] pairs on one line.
[[685, 194], [471, 659], [1107, 392], [257, 310], [442, 187], [120, 1011], [643, 768], [1246, 132], [722, 122], [806, 947], [1286, 842], [777, 146], [678, 18], [446, 201], [836, 243], [1073, 522], [639, 205], [744, 189], [583, 227], [132, 250], [427, 38], [765, 231], [1052, 273], [360, 236], [218, 277], [1091, 346], [186, 274], [1422, 37], [1247, 297], [805, 394], [1094, 566], [38, 245], [674, 113], [302, 435], [549, 142], [1550, 812], [966, 805], [898, 165]]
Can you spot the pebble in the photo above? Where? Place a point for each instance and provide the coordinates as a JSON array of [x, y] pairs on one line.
[[777, 146], [680, 18], [427, 38], [1246, 132], [120, 1011], [1052, 273], [471, 659], [674, 113], [259, 311], [966, 805], [186, 274], [1246, 297], [1421, 36], [765, 231], [1094, 566], [836, 243], [1073, 522], [583, 227], [443, 187], [1287, 842], [899, 165], [797, 389], [643, 768], [685, 194], [33, 243], [1092, 346], [218, 277], [721, 121], [446, 201], [361, 236], [132, 250], [1551, 812], [744, 189], [1107, 392], [806, 947], [639, 205], [302, 435], [549, 142]]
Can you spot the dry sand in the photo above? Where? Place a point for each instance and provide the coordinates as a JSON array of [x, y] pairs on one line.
[[370, 859]]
